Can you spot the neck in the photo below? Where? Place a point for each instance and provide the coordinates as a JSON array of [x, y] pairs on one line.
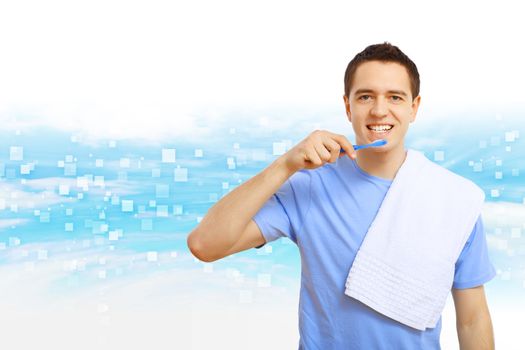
[[381, 164]]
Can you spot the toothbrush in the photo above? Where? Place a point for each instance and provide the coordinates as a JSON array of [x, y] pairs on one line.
[[376, 143]]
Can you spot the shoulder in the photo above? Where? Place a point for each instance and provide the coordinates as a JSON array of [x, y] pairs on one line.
[[331, 171], [298, 185], [301, 178], [452, 180]]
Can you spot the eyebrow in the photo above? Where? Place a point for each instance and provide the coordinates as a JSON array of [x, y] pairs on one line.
[[398, 92]]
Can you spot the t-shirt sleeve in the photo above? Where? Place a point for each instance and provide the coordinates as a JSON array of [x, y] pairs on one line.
[[473, 267], [284, 212]]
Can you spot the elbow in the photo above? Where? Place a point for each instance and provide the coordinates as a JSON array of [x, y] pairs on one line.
[[196, 249]]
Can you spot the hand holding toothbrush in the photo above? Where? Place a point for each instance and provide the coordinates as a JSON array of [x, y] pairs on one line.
[[319, 148]]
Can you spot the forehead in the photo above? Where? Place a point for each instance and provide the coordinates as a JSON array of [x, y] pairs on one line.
[[381, 76]]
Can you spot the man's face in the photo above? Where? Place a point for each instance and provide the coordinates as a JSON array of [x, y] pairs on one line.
[[381, 95]]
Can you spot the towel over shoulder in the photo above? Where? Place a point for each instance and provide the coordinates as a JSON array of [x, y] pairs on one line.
[[404, 268]]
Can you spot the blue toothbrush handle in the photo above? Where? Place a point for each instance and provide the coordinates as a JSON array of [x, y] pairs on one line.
[[356, 147], [373, 144]]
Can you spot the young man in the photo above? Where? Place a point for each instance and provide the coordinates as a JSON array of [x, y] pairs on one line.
[[325, 202]]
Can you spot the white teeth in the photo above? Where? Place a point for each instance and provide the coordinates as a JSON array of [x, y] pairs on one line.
[[380, 128]]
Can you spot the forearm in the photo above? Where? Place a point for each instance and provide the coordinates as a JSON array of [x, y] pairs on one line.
[[225, 220], [478, 336]]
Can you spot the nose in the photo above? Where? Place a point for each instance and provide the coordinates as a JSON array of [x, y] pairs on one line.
[[380, 108]]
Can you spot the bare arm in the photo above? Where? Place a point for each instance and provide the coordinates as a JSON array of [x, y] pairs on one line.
[[473, 322], [226, 220], [228, 226]]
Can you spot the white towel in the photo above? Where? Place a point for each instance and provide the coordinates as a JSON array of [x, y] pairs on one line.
[[404, 268]]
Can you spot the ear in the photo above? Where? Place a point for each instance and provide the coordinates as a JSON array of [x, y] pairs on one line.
[[414, 107], [347, 108]]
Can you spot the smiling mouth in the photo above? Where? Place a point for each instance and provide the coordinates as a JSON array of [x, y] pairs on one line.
[[380, 132]]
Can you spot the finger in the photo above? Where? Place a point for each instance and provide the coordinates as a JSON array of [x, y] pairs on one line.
[[312, 157], [345, 144], [334, 148], [323, 153]]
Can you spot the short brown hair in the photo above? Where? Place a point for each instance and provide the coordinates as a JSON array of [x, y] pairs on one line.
[[384, 52]]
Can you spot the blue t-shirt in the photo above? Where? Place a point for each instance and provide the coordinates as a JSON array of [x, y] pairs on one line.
[[327, 212]]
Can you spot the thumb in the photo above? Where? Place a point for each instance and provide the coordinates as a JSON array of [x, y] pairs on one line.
[[348, 149]]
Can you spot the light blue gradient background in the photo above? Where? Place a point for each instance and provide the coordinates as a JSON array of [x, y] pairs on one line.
[[42, 263]]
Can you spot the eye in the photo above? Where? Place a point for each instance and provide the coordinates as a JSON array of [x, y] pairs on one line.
[[361, 97], [398, 98]]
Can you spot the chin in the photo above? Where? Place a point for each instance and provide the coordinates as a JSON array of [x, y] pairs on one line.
[[381, 149]]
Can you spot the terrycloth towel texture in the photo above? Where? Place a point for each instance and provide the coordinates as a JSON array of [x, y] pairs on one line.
[[404, 268]]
